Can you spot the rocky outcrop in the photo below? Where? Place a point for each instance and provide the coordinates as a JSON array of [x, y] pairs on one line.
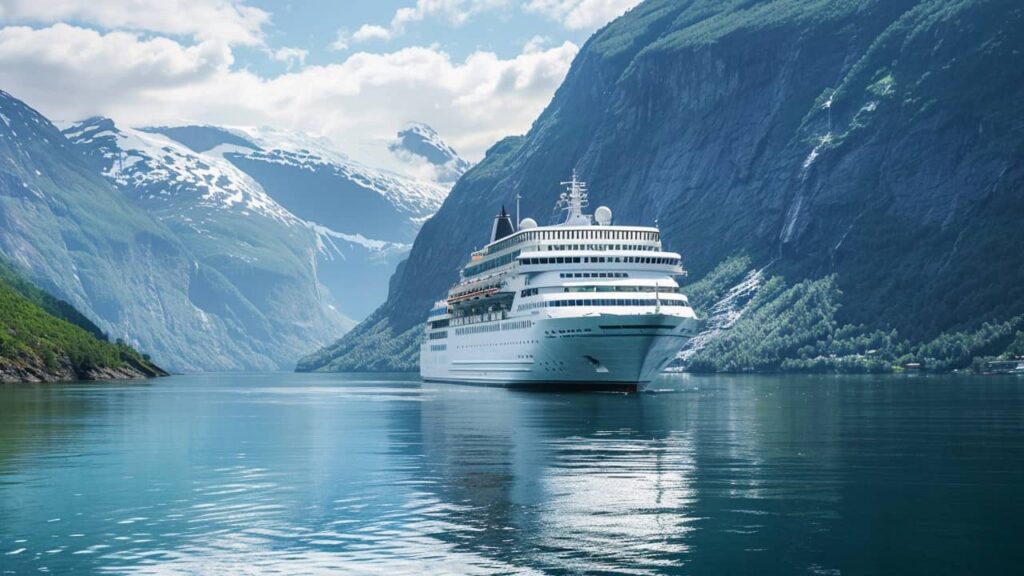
[[879, 141], [30, 369]]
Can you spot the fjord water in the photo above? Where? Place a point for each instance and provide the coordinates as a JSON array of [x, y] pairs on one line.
[[306, 473]]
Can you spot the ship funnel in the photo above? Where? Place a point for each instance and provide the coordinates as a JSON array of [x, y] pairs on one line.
[[502, 226]]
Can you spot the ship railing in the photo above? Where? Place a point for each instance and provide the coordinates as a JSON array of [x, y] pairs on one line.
[[480, 318]]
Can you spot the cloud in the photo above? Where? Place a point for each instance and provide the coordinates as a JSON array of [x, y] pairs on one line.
[[227, 21], [371, 32], [292, 57], [455, 12], [46, 66], [341, 42], [536, 44], [581, 14], [141, 80]]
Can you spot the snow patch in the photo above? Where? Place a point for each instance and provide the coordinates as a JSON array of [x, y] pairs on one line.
[[325, 237]]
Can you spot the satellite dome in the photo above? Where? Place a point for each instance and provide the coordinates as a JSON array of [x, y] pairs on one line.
[[527, 223], [603, 215]]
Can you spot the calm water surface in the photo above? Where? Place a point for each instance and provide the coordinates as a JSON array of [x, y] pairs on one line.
[[291, 474]]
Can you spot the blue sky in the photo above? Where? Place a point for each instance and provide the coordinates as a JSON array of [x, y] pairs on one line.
[[315, 24], [353, 72]]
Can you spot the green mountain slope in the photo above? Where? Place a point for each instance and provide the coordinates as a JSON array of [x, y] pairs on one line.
[[14, 280], [45, 339], [872, 144]]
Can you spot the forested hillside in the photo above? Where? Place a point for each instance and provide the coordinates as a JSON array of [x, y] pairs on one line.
[[46, 339]]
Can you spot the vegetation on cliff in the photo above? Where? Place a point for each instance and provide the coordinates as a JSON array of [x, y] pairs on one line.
[[44, 339], [798, 328]]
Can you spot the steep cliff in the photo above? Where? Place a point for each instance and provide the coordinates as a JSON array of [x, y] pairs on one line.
[[876, 141]]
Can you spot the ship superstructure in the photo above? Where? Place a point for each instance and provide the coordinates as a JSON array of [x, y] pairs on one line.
[[583, 303]]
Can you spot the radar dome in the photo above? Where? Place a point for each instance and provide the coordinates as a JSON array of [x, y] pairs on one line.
[[603, 215], [527, 223]]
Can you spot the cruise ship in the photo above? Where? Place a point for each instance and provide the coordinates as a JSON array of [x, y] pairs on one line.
[[583, 303]]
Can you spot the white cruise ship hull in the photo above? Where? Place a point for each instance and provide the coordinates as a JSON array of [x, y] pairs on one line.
[[595, 351]]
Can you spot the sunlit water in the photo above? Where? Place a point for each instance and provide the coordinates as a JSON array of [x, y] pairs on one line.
[[292, 474]]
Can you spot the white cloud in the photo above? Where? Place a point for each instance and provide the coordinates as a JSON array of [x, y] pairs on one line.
[[341, 41], [456, 12], [71, 69], [292, 57], [367, 97], [371, 32], [229, 21], [536, 44], [581, 14]]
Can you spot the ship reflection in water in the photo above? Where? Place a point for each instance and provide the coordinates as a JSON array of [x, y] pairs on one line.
[[308, 473]]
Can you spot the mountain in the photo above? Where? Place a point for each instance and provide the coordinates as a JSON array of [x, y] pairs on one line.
[[78, 238], [43, 339], [362, 220], [257, 258], [420, 141], [862, 158], [311, 178]]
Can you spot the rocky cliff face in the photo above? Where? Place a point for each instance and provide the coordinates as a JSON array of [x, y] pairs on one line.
[[879, 141]]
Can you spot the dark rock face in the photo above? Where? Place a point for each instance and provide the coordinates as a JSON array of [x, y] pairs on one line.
[[878, 140]]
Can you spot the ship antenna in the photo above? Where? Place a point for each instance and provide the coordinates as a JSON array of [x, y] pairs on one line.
[[518, 198]]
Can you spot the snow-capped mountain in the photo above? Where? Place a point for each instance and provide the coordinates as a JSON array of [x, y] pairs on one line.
[[168, 176], [258, 258], [210, 248], [312, 179], [233, 189], [418, 141], [196, 292]]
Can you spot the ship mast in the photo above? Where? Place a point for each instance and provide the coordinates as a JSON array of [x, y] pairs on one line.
[[574, 199]]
